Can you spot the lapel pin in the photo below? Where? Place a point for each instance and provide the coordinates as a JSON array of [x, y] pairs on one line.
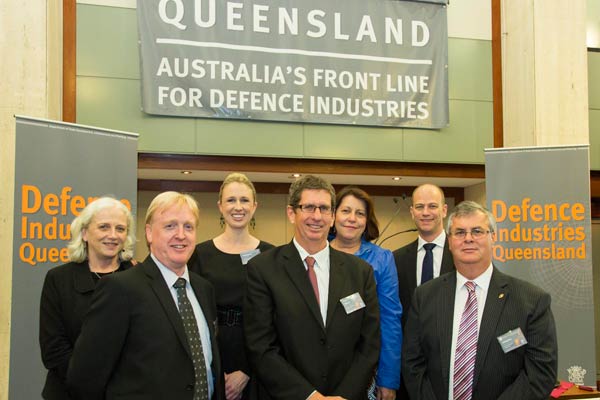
[[501, 295]]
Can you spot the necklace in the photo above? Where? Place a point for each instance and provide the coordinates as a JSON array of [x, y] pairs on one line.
[[104, 273]]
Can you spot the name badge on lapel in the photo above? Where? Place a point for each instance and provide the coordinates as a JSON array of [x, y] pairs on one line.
[[352, 303], [248, 255], [511, 340]]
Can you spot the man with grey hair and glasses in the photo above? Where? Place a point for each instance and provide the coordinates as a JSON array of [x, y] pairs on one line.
[[311, 316], [478, 334]]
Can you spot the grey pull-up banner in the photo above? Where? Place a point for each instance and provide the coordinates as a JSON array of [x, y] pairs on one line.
[[364, 62], [59, 169], [540, 197]]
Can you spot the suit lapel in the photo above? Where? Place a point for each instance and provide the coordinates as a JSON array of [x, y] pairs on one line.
[[498, 294], [336, 283], [447, 261], [205, 302], [158, 285], [205, 306], [445, 311], [411, 270], [82, 279], [294, 266]]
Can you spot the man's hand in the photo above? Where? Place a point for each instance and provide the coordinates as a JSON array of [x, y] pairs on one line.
[[318, 396], [385, 394], [235, 383]]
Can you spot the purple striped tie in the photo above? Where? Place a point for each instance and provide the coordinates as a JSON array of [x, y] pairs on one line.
[[466, 348]]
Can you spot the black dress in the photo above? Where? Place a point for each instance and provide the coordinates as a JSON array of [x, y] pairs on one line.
[[227, 273], [65, 299]]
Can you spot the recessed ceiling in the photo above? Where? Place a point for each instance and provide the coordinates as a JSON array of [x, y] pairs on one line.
[[271, 177]]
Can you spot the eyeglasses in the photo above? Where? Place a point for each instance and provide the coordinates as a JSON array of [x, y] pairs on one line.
[[476, 233], [311, 208]]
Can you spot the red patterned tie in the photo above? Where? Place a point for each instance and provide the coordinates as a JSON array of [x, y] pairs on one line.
[[310, 263], [466, 348]]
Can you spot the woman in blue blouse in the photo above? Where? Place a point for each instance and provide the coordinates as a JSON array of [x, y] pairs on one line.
[[355, 227]]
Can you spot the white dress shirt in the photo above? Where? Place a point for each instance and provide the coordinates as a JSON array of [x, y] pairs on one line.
[[170, 278], [438, 253], [322, 273], [482, 284]]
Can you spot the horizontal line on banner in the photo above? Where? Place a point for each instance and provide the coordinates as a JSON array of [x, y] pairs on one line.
[[292, 51]]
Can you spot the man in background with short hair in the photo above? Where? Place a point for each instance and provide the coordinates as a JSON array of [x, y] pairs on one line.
[[428, 211]]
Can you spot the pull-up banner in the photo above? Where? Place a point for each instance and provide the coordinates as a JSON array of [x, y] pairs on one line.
[[59, 169], [365, 62], [540, 197]]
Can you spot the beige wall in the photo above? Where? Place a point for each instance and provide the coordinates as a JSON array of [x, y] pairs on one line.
[[476, 193], [544, 73], [30, 43]]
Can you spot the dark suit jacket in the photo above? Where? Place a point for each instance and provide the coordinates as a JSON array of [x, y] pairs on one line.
[[528, 372], [406, 264], [132, 343], [65, 299], [290, 349]]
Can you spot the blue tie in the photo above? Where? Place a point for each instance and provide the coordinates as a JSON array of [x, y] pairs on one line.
[[427, 272]]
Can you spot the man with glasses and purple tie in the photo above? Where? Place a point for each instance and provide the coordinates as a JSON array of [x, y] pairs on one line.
[[311, 315], [478, 334]]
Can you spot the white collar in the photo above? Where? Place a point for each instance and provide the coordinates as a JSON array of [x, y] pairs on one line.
[[440, 240], [483, 280], [322, 256], [169, 276]]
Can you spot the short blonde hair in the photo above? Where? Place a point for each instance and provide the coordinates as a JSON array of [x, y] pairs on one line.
[[77, 247], [169, 199], [239, 178]]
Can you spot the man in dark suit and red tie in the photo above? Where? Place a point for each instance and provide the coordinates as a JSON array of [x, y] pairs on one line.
[[478, 334], [311, 315], [150, 331]]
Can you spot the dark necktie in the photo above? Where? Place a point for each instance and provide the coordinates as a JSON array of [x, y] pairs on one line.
[[310, 263], [466, 348], [427, 271], [191, 331]]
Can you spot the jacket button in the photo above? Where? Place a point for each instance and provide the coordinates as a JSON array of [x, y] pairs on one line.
[[323, 341], [189, 387]]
